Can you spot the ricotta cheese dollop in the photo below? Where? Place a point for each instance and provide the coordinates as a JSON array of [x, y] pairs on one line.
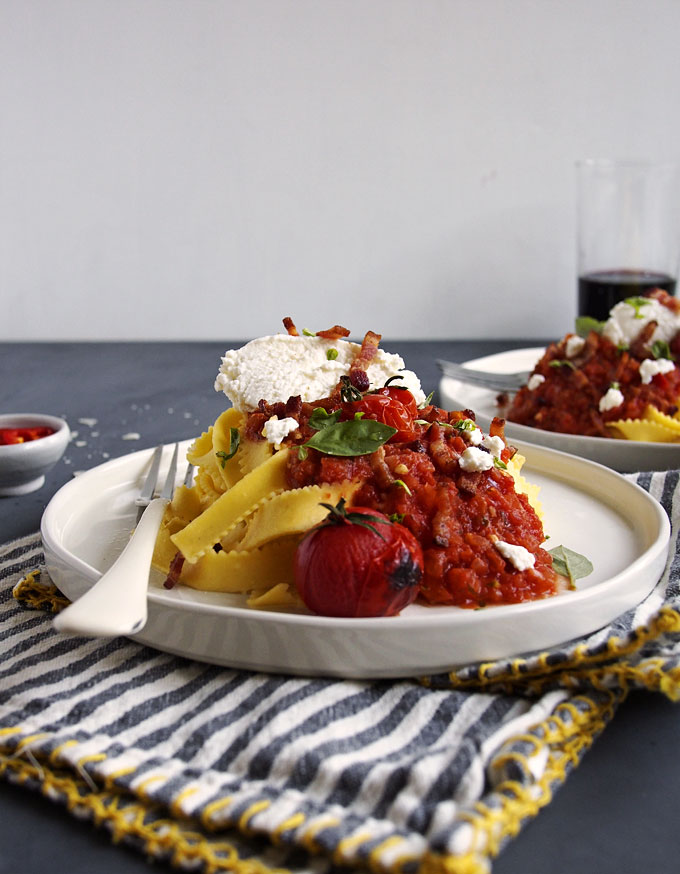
[[282, 366], [612, 399], [519, 557], [649, 368], [276, 430], [627, 320], [473, 459]]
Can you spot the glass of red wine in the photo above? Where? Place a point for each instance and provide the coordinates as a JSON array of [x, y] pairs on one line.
[[628, 231]]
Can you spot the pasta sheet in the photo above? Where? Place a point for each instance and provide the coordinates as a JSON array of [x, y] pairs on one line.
[[238, 527]]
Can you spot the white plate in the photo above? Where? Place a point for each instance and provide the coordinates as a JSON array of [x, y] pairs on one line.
[[587, 507], [626, 456]]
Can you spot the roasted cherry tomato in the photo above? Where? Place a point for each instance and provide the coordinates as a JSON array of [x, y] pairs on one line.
[[358, 563], [392, 406]]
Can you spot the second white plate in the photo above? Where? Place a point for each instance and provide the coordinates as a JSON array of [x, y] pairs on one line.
[[626, 456], [587, 507]]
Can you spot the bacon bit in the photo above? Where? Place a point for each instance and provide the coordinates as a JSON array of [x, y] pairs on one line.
[[442, 518], [469, 482], [289, 325], [382, 472], [366, 354], [337, 332], [174, 571], [663, 297], [443, 455], [638, 348], [293, 407]]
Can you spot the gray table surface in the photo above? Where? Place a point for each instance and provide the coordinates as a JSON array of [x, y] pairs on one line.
[[616, 813]]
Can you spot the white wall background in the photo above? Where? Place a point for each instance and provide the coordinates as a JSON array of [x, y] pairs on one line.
[[202, 168]]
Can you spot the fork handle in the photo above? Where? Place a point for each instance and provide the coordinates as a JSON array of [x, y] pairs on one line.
[[117, 603]]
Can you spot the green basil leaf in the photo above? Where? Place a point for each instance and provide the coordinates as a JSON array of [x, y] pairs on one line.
[[234, 440], [661, 349], [586, 324], [354, 437], [570, 564], [321, 418]]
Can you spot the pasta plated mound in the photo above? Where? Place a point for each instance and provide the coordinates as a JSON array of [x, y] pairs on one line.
[[617, 378], [332, 474]]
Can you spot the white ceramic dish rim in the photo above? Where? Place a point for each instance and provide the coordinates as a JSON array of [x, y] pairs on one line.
[[649, 563]]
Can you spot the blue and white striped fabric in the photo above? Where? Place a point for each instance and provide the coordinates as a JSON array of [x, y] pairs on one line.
[[312, 773]]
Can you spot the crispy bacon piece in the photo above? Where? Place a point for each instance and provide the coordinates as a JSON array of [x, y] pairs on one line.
[[289, 325], [337, 332], [174, 571], [381, 471], [443, 455], [663, 297], [639, 346], [441, 521], [366, 354]]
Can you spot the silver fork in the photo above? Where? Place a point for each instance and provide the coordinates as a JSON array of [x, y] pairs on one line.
[[117, 603], [510, 382]]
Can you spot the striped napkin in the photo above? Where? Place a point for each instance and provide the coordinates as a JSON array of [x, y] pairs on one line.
[[213, 769]]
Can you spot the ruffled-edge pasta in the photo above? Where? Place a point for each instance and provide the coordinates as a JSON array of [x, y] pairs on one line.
[[238, 527], [233, 506], [655, 426]]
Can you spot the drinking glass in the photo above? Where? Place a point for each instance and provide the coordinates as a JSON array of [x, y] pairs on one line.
[[628, 231]]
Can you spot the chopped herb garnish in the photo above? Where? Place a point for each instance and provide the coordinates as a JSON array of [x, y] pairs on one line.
[[400, 482], [570, 564], [499, 463], [562, 362], [427, 401], [637, 303], [306, 333], [464, 425], [331, 354], [234, 440], [397, 517]]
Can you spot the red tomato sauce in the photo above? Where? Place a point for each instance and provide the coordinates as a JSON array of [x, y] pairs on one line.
[[455, 515], [10, 436]]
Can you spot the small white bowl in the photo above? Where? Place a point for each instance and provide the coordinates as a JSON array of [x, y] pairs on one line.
[[23, 465]]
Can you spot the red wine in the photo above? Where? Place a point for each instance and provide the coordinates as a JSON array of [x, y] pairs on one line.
[[599, 291]]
